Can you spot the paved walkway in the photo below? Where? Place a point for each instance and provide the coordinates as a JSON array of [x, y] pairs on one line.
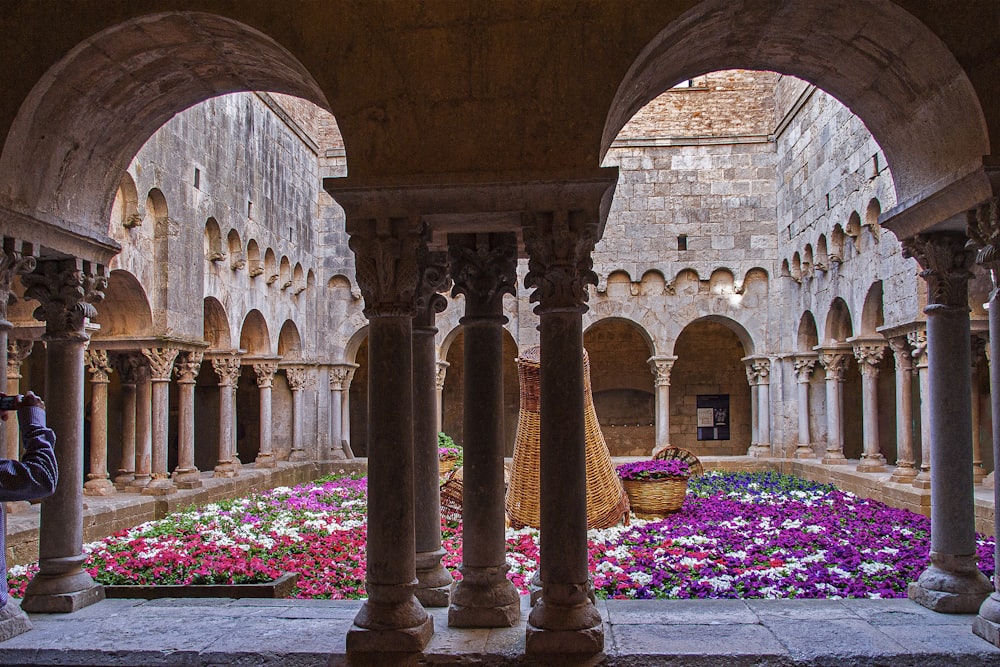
[[717, 633]]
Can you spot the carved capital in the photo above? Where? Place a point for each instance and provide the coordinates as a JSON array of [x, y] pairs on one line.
[[228, 370], [869, 356], [265, 371], [484, 268], [299, 378], [188, 366], [804, 367], [661, 367], [434, 278], [385, 252], [918, 343], [834, 363], [129, 366], [341, 376], [758, 371], [440, 374], [161, 362], [559, 246], [902, 353], [17, 352], [984, 233], [66, 290], [15, 260], [945, 259], [98, 365]]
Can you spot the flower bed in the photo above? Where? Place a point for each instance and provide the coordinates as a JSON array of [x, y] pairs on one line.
[[749, 535]]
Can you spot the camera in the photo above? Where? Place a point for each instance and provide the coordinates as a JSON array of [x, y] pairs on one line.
[[10, 402]]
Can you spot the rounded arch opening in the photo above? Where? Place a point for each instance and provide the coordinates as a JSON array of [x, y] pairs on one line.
[[254, 337]]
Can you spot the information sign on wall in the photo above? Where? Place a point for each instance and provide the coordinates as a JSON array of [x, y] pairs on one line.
[[713, 416]]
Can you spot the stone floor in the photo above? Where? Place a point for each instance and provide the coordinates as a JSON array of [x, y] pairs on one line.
[[717, 633]]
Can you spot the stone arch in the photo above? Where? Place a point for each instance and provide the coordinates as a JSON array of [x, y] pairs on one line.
[[838, 322], [871, 312], [289, 341], [687, 282], [722, 281], [836, 251], [821, 260], [216, 326], [853, 230], [796, 267], [755, 287], [298, 278], [270, 267], [619, 284], [622, 384], [807, 260], [862, 52], [73, 119], [354, 343], [808, 335], [737, 328], [255, 266], [284, 273], [237, 258], [254, 336], [125, 310], [786, 270], [213, 241], [653, 283], [125, 209], [310, 278], [871, 228]]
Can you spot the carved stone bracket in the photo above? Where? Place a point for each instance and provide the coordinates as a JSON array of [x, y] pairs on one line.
[[188, 366], [17, 352], [834, 363], [161, 362], [484, 268], [917, 341], [869, 356], [984, 232], [440, 374], [228, 370], [661, 367], [804, 366], [434, 278], [758, 370], [946, 259], [98, 365], [902, 353], [15, 259], [385, 253], [298, 377], [341, 376], [128, 366], [265, 371], [559, 246], [66, 290]]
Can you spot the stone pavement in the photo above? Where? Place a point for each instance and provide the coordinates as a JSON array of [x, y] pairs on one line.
[[297, 633]]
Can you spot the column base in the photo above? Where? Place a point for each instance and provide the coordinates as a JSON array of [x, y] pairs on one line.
[[13, 621], [576, 629], [98, 486], [137, 484], [903, 474], [297, 455], [922, 480], [951, 585], [834, 458], [759, 451], [187, 478], [978, 474], [225, 469], [804, 452], [872, 464], [123, 479], [265, 461], [413, 637], [988, 481], [987, 623], [16, 506], [61, 587], [159, 486], [484, 598], [433, 580]]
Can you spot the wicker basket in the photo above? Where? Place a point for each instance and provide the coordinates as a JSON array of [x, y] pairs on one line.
[[451, 492], [607, 502], [694, 463], [656, 498], [446, 465]]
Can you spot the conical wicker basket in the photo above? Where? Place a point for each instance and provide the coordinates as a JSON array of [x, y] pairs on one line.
[[607, 502]]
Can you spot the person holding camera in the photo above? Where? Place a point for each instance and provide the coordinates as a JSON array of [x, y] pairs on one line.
[[32, 477]]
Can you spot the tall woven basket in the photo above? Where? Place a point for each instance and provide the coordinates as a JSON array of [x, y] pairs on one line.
[[607, 502]]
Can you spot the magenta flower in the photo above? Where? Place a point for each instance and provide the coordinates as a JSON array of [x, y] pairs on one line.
[[654, 469]]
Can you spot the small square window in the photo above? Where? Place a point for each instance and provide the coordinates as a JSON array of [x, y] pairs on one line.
[[682, 242], [197, 178]]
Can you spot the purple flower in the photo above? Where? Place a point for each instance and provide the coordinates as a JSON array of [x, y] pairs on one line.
[[654, 469]]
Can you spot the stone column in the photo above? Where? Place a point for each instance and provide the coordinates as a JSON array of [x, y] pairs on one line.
[[345, 412], [804, 364], [161, 366], [903, 356], [391, 618], [17, 352], [559, 246], [442, 372], [98, 482], [984, 229], [143, 426], [265, 371], [433, 579], [484, 268], [340, 378], [66, 290], [661, 365], [869, 354], [953, 582], [918, 342], [754, 407], [228, 369], [298, 378], [978, 472], [833, 361], [758, 375], [127, 367], [186, 475]]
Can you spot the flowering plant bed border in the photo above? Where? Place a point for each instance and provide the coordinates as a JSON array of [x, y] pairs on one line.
[[281, 587]]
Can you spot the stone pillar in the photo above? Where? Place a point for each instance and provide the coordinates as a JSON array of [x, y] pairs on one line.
[[917, 340], [127, 367], [391, 618], [484, 268], [903, 356], [442, 372], [804, 365], [265, 371], [186, 475], [754, 407], [161, 366], [984, 229], [661, 365], [340, 416], [833, 361], [345, 412], [17, 352], [869, 354], [66, 290], [433, 579], [758, 375], [298, 380], [978, 472], [559, 246], [953, 582], [228, 369], [143, 426], [98, 482]]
